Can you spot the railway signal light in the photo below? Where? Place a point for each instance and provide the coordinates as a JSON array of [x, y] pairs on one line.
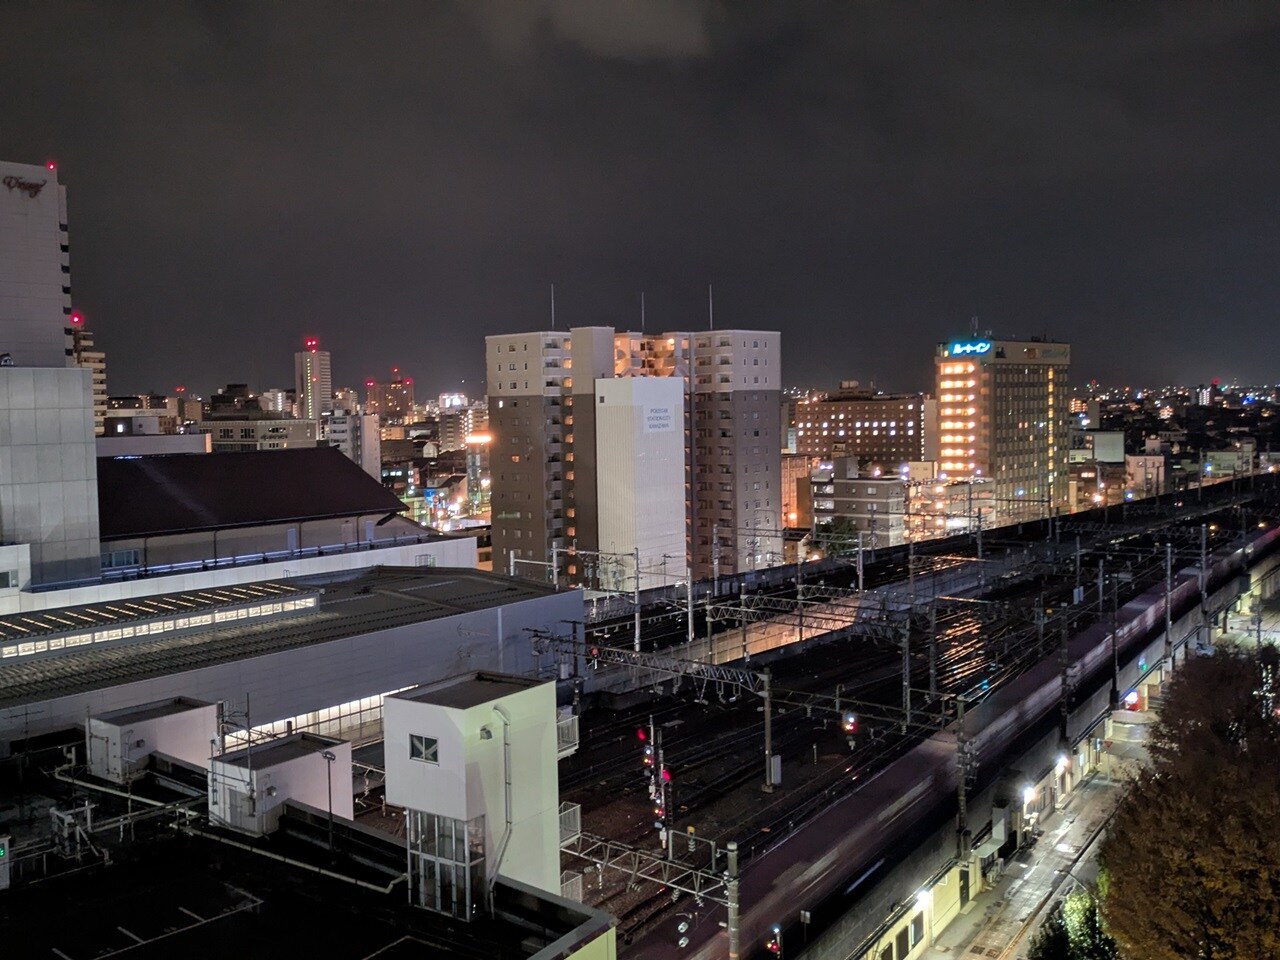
[[641, 735], [666, 775], [595, 660], [850, 723], [648, 755], [775, 942]]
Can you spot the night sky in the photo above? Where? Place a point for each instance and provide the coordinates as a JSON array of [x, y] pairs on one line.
[[400, 180]]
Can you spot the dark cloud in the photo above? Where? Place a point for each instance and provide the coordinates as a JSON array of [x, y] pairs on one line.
[[402, 179]]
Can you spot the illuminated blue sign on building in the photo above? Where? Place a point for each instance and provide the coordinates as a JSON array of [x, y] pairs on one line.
[[960, 348]]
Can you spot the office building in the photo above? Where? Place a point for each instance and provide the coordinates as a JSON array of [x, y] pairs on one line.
[[312, 381], [1003, 416], [278, 401], [243, 435], [545, 457], [35, 267], [890, 429], [391, 402]]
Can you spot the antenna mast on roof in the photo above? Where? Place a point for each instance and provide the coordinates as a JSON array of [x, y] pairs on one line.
[[974, 321], [711, 309], [642, 311], [553, 306]]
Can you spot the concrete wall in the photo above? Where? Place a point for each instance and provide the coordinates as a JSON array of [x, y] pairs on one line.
[[470, 779], [290, 683], [48, 471], [148, 445], [640, 474], [305, 779], [114, 753]]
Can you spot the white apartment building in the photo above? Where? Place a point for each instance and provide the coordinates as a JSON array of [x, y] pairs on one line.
[[313, 381]]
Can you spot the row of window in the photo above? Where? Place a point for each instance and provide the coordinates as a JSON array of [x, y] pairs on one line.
[[151, 628]]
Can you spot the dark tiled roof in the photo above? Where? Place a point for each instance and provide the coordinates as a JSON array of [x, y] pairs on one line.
[[186, 493]]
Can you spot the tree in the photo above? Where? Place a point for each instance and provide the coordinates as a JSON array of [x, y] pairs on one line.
[[1193, 854], [1073, 932]]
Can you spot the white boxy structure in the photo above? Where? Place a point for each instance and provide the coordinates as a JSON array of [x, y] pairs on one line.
[[472, 759], [248, 788], [120, 743]]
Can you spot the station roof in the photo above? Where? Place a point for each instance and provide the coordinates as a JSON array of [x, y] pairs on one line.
[[182, 493], [90, 616], [352, 603]]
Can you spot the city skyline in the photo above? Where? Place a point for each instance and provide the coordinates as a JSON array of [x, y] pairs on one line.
[[849, 176]]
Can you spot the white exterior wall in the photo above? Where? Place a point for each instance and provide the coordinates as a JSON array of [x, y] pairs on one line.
[[48, 470], [640, 473], [32, 315], [114, 753], [469, 781], [459, 552], [304, 779]]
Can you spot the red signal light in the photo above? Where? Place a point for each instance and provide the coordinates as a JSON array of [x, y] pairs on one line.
[[640, 734], [666, 775]]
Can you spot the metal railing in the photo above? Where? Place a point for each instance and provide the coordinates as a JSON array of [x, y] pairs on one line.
[[570, 822], [566, 737]]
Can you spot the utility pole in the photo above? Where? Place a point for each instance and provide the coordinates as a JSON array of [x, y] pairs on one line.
[[637, 601], [555, 567], [906, 676], [715, 559], [688, 596], [768, 731], [1204, 559], [933, 647], [962, 785], [1102, 591], [860, 561], [742, 602], [731, 892], [800, 599], [1169, 652]]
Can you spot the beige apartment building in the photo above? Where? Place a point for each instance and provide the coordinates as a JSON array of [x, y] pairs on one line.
[[545, 453]]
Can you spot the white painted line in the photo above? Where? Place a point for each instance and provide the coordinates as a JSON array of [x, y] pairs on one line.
[[133, 935], [193, 915], [60, 953]]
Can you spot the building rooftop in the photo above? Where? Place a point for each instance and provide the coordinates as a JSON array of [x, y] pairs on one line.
[[469, 690], [150, 711], [275, 752], [352, 603], [172, 494]]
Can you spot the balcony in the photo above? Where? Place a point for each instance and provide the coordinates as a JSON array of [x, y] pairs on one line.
[[566, 739], [570, 822]]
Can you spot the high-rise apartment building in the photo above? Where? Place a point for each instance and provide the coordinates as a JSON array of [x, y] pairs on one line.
[[313, 381], [392, 402], [95, 361], [887, 429], [545, 454], [1003, 417]]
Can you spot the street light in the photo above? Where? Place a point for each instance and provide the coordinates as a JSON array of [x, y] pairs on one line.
[[329, 758]]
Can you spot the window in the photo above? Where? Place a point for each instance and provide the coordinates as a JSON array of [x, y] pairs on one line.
[[8, 579], [917, 928], [424, 749]]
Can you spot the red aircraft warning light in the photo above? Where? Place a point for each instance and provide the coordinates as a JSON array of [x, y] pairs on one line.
[[77, 318]]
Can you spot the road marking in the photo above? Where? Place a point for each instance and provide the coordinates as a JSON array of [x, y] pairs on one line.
[[60, 953], [129, 934], [192, 914]]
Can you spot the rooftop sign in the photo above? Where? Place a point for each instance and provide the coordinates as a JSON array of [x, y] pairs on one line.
[[959, 348]]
